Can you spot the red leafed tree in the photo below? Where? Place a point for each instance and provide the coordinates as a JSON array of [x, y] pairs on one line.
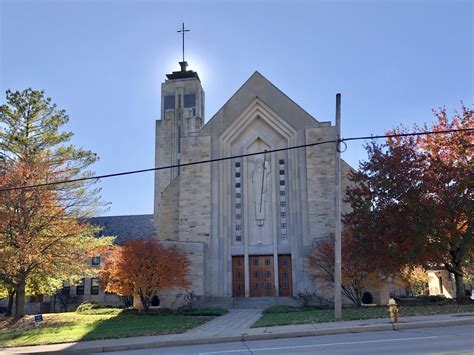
[[143, 268], [413, 201], [357, 272]]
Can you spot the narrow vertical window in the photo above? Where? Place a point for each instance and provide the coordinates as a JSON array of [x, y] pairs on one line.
[[94, 286], [283, 210], [169, 102], [237, 204]]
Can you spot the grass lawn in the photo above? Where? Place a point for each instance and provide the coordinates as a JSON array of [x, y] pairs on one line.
[[68, 327], [278, 315]]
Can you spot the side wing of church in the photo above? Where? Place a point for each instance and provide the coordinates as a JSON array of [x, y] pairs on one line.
[[246, 223]]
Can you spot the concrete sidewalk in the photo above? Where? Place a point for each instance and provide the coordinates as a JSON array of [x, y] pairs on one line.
[[200, 336]]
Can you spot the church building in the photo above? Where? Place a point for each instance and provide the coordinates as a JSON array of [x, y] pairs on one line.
[[246, 222]]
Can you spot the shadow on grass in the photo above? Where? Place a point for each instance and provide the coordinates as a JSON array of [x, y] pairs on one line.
[[131, 324], [104, 324]]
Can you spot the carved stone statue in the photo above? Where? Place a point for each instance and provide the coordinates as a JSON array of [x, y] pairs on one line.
[[260, 174]]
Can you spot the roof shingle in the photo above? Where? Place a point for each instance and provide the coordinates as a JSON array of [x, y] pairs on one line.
[[125, 227]]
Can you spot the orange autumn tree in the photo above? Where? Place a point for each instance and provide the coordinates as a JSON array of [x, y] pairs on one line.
[[143, 268], [44, 236]]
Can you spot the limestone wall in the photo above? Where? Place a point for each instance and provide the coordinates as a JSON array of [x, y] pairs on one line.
[[169, 212], [195, 194], [162, 158], [320, 174], [197, 253]]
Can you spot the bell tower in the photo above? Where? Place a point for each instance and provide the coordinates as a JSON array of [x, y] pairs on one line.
[[182, 110], [182, 115]]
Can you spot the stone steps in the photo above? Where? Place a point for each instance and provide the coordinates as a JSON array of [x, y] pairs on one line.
[[244, 303]]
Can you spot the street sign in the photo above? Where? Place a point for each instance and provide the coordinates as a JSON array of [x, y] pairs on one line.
[[38, 319]]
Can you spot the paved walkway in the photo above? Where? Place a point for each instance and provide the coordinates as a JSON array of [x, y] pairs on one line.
[[237, 320]]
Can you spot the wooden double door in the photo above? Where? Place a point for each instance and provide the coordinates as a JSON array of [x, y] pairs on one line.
[[261, 274]]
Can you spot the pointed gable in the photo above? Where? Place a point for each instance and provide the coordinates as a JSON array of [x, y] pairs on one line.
[[257, 86]]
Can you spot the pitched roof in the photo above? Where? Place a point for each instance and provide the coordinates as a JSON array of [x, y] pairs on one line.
[[259, 86], [125, 227]]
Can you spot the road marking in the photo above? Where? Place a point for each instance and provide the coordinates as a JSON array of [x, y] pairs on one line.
[[314, 345]]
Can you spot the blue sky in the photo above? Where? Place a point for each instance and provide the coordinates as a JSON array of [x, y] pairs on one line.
[[104, 61]]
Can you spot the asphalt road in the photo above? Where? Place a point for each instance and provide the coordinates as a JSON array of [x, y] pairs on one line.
[[453, 340]]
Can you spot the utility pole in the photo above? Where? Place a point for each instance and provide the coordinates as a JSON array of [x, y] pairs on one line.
[[337, 239]]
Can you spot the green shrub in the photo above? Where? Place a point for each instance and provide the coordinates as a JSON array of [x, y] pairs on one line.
[[87, 306], [159, 311], [306, 297], [211, 311], [103, 311], [437, 298], [279, 308]]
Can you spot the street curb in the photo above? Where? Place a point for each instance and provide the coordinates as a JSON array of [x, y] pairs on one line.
[[83, 348], [282, 335]]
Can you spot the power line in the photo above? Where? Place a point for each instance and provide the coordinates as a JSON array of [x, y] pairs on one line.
[[234, 157]]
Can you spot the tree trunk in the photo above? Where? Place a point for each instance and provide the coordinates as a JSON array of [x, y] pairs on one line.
[[137, 302], [460, 289], [11, 299], [20, 300]]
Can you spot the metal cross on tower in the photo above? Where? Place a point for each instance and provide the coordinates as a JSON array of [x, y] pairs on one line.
[[182, 31]]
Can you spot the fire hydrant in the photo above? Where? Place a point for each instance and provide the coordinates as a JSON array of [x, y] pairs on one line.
[[393, 309]]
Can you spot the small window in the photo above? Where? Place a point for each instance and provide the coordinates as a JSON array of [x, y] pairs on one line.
[[238, 195], [283, 225], [96, 260], [239, 286], [256, 274], [255, 285], [283, 203], [237, 164], [237, 185], [80, 287], [94, 286], [255, 261], [238, 227], [285, 274], [268, 285], [268, 274], [284, 261], [189, 100], [281, 161], [282, 193], [285, 285], [283, 214], [237, 205], [238, 238], [282, 182], [237, 175], [268, 261], [239, 262], [282, 172], [36, 299], [169, 102], [66, 290], [238, 216]]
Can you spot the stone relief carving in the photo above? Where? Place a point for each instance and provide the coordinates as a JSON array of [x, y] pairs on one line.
[[261, 170]]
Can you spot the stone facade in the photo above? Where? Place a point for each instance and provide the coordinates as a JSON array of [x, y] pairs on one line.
[[256, 206]]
